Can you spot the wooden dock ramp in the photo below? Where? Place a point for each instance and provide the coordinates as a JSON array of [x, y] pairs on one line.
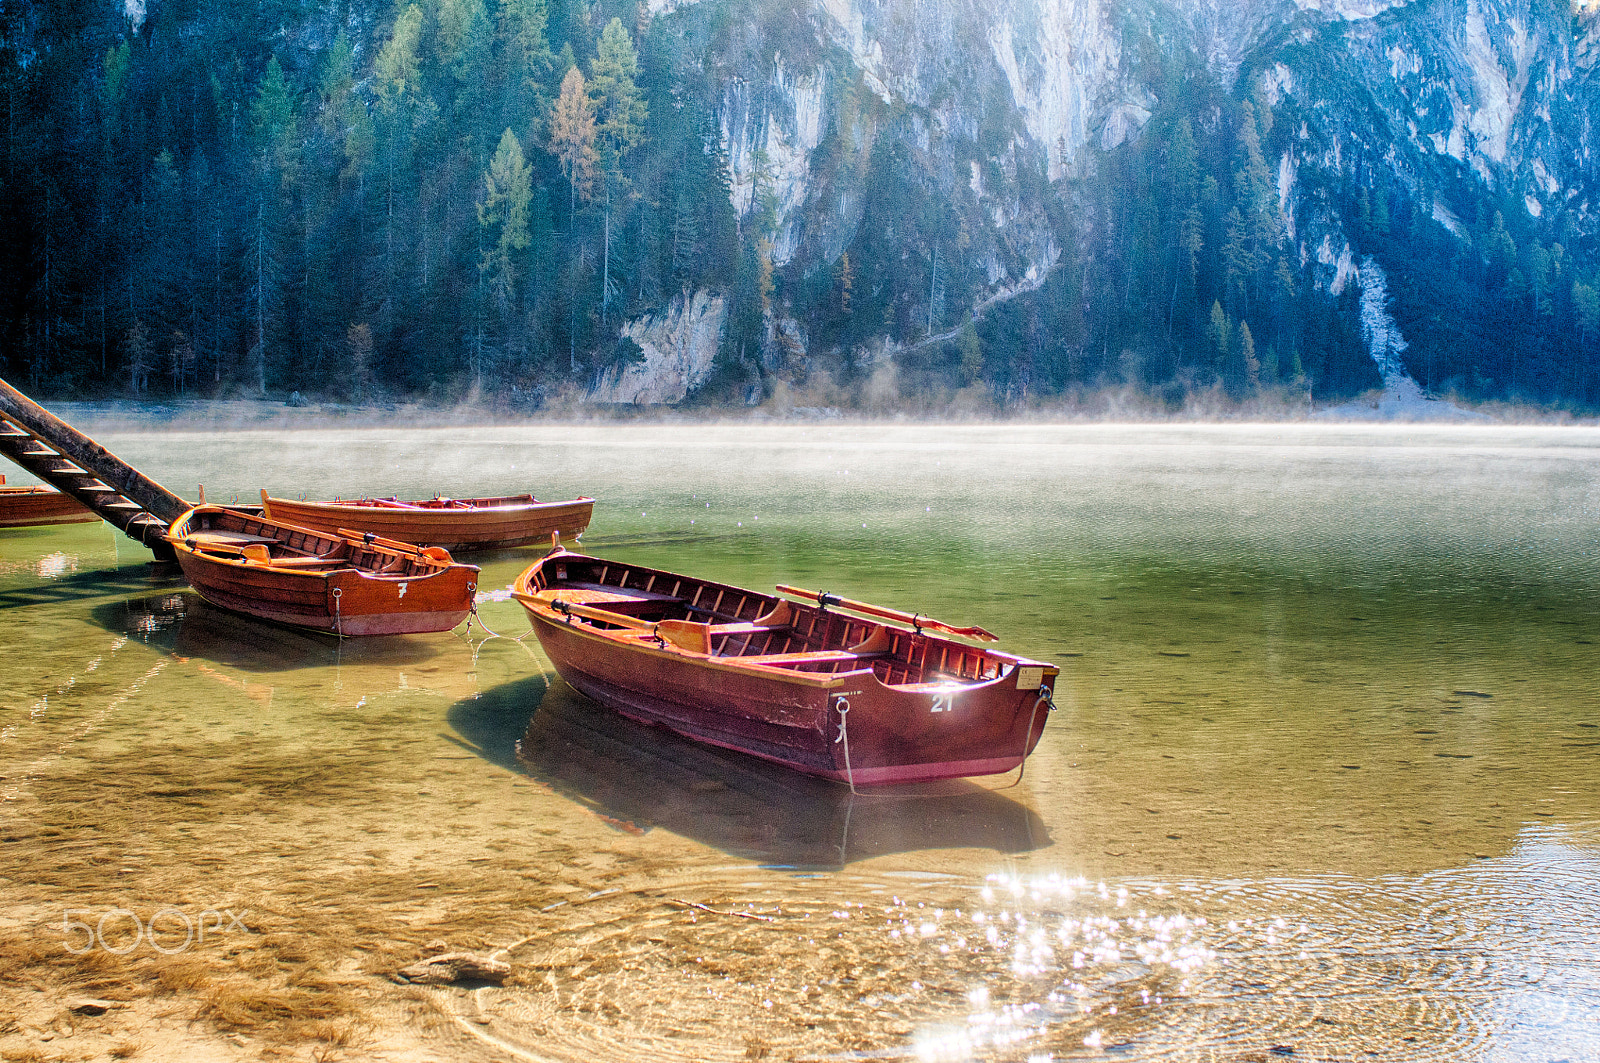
[[70, 461]]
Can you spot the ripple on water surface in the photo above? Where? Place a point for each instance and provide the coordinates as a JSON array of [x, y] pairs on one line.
[[1488, 962]]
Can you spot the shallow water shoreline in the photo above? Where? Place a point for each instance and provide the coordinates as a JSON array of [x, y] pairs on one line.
[[1323, 775]]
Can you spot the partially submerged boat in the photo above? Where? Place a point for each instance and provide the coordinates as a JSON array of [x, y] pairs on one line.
[[346, 583], [885, 697], [454, 523], [32, 507]]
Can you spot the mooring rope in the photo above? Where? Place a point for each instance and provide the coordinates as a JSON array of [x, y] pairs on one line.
[[472, 611], [473, 614], [1044, 698], [843, 705]]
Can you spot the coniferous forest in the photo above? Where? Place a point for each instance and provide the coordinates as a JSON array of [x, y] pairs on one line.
[[469, 199]]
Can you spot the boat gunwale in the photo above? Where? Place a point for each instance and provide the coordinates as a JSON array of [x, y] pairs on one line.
[[346, 599], [464, 529], [638, 639], [347, 504], [41, 506], [185, 543]]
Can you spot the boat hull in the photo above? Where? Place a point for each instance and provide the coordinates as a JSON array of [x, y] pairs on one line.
[[848, 726], [32, 507], [488, 523], [345, 600]]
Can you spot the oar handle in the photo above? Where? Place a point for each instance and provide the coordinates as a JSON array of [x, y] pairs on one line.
[[914, 619], [377, 540], [588, 612]]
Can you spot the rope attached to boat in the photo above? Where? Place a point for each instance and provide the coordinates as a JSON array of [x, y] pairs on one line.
[[338, 616], [472, 614], [843, 705], [1046, 700]]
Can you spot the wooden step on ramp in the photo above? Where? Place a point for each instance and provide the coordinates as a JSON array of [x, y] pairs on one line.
[[76, 465]]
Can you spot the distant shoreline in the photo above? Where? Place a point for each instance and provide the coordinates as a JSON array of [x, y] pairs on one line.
[[126, 415]]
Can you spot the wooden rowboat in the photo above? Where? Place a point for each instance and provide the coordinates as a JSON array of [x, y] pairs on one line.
[[454, 523], [31, 507], [885, 698], [346, 583]]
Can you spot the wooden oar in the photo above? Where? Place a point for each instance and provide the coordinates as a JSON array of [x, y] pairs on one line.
[[392, 544], [914, 619], [588, 612]]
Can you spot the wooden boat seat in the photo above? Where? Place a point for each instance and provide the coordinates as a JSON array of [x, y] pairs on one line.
[[804, 657], [605, 592], [309, 562], [756, 628], [625, 602], [204, 539]]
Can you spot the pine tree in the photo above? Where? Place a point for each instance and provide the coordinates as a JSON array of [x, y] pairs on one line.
[[1236, 259], [277, 142], [1184, 206], [139, 357], [764, 284], [1586, 305], [620, 110], [685, 238], [969, 348], [572, 137], [273, 122], [572, 140], [1247, 355], [522, 32], [507, 190], [358, 342], [1220, 335], [463, 36], [1257, 198], [508, 187], [397, 77], [526, 59], [113, 86], [620, 113]]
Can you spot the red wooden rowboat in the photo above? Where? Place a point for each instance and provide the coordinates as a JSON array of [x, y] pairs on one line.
[[454, 523], [30, 507], [844, 697], [349, 584]]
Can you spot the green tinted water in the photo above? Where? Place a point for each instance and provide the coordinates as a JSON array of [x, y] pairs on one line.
[[1322, 776]]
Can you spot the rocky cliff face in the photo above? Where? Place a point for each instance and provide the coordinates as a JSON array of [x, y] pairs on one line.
[[1003, 111], [1500, 88], [678, 348]]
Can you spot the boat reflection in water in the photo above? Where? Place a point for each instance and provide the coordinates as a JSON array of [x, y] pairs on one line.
[[182, 623], [641, 778]]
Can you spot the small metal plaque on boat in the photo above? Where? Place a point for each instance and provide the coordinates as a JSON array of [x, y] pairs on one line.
[[1030, 677]]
